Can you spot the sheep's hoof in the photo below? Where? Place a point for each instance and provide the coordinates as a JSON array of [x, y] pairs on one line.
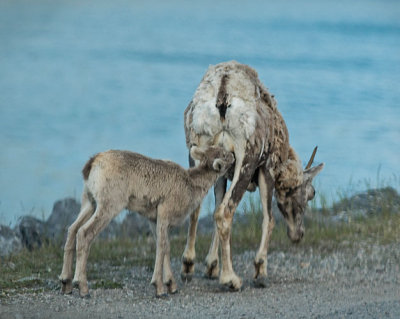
[[212, 270], [260, 282], [231, 281], [66, 286], [75, 283], [186, 277], [187, 269]]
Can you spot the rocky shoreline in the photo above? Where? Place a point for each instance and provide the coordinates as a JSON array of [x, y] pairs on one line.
[[349, 280], [32, 232]]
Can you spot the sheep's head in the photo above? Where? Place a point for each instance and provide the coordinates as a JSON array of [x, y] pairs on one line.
[[292, 200], [213, 157]]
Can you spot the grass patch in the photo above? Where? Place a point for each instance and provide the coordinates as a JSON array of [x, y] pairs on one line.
[[110, 260]]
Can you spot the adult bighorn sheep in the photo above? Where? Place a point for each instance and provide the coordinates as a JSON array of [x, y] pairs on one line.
[[160, 190], [233, 109]]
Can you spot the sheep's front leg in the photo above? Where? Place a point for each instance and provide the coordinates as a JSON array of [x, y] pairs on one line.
[[212, 262], [87, 210], [266, 185], [162, 238], [224, 217]]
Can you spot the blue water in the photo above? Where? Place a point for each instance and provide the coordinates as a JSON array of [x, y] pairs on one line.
[[77, 78]]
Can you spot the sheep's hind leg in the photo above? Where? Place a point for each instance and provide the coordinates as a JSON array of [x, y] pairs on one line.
[[87, 210], [86, 234], [265, 184]]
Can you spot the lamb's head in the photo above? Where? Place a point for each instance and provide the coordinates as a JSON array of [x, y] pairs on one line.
[[214, 158], [293, 192]]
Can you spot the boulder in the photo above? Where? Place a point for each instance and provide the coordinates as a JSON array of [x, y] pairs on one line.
[[372, 201], [10, 242], [32, 231], [134, 225], [64, 213]]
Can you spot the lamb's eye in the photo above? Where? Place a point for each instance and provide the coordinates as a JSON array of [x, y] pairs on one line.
[[229, 105]]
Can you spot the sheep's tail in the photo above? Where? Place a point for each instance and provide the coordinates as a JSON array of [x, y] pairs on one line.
[[88, 167]]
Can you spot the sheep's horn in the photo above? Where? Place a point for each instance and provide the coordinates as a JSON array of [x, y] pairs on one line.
[[312, 158]]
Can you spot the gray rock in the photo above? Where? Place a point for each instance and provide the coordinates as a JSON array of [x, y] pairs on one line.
[[372, 201], [32, 232], [10, 242], [134, 225], [64, 213]]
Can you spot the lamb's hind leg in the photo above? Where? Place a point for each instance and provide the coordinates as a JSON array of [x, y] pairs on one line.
[[87, 210], [85, 236], [265, 184], [212, 260]]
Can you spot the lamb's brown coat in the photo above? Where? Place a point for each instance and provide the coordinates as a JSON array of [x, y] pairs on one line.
[[160, 190]]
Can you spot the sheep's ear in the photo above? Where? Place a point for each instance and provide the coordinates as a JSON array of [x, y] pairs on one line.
[[218, 164], [310, 173], [196, 153]]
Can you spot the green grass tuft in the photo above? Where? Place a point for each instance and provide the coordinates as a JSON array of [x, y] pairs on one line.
[[110, 260]]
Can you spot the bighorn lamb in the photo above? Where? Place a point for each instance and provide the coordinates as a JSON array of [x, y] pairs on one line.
[[232, 108], [160, 190]]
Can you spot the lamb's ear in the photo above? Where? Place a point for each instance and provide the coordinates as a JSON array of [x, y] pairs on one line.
[[196, 153], [310, 173], [218, 164]]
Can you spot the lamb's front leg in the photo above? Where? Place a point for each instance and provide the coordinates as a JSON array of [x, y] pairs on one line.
[[266, 185], [162, 237], [212, 262], [169, 279], [189, 253]]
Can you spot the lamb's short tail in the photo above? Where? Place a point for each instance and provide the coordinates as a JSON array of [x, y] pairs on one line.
[[88, 167]]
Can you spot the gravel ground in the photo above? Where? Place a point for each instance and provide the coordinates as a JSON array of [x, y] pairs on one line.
[[362, 282]]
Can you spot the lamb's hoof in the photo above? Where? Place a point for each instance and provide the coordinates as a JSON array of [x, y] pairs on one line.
[[174, 292], [163, 295], [85, 296], [171, 286], [66, 286], [212, 270], [260, 282], [187, 269]]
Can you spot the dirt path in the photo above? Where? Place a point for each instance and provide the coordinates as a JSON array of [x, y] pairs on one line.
[[357, 283]]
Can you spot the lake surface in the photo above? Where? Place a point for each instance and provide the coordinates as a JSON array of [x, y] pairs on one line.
[[78, 78]]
